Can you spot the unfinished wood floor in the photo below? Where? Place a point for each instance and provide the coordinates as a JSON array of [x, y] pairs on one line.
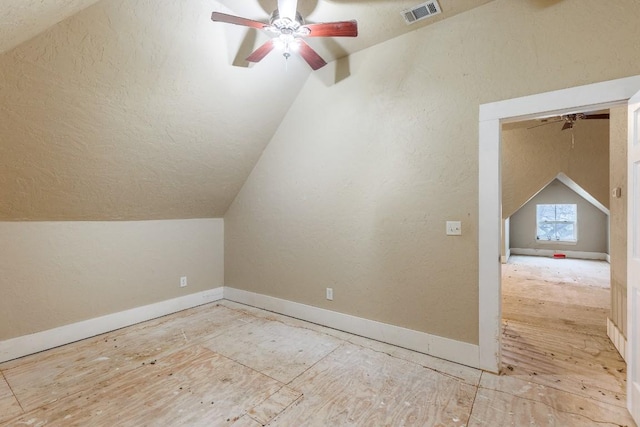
[[228, 364], [554, 340]]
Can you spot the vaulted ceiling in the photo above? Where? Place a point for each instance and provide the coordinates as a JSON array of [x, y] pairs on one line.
[[145, 109]]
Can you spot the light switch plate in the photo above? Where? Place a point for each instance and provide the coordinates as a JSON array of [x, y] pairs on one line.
[[454, 228]]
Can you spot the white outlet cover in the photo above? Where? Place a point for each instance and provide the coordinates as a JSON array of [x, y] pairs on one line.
[[454, 228], [183, 281], [330, 294]]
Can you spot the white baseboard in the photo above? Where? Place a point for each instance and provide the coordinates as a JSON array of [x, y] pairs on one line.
[[505, 258], [616, 337], [39, 341], [569, 254], [445, 348]]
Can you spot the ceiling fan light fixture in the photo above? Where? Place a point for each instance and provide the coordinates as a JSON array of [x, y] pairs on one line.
[[287, 43]]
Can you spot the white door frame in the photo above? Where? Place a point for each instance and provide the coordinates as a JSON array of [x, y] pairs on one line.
[[593, 96]]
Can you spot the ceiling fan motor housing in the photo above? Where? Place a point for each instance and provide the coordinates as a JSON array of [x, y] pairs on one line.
[[285, 23]]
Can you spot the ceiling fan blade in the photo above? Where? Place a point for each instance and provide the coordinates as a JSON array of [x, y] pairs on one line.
[[230, 19], [544, 124], [288, 9], [567, 125], [261, 52], [596, 116], [333, 29], [314, 60]]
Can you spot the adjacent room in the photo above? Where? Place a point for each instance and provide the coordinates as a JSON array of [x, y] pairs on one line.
[[562, 249], [276, 212]]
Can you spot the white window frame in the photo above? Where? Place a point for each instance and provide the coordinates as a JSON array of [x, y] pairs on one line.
[[575, 224]]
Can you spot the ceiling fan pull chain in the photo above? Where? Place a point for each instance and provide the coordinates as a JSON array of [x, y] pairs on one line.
[[573, 141]]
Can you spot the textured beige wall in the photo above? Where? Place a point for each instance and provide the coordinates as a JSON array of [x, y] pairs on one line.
[[618, 243], [592, 222], [56, 273], [532, 158], [131, 110], [354, 189]]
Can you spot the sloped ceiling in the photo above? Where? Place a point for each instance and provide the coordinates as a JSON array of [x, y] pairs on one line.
[[145, 109], [24, 19]]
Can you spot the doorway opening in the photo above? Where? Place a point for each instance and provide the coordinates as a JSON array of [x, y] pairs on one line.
[[584, 98], [556, 296], [492, 116]]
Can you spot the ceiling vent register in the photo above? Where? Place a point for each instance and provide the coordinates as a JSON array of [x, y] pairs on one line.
[[421, 11]]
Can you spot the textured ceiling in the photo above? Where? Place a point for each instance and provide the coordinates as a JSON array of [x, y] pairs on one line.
[[145, 109], [23, 19]]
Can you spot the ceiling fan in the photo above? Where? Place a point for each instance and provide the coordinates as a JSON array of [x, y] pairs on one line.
[[571, 119], [289, 29]]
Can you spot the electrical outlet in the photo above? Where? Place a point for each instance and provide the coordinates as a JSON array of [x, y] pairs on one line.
[[454, 228], [330, 294], [183, 281]]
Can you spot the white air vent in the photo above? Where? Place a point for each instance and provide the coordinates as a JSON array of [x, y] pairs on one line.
[[421, 11]]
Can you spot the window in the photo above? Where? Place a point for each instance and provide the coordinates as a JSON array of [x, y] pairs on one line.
[[557, 223]]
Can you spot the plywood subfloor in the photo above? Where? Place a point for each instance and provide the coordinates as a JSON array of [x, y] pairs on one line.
[[229, 364], [558, 362]]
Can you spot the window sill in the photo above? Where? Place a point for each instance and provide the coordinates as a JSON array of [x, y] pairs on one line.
[[558, 242]]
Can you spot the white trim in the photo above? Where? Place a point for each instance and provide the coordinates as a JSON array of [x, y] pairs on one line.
[[616, 337], [599, 95], [506, 241], [445, 348], [569, 254], [563, 178], [489, 223], [40, 341], [582, 192], [612, 92]]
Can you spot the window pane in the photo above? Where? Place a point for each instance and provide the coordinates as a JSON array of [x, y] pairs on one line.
[[565, 231], [566, 213], [546, 213], [556, 222], [546, 231]]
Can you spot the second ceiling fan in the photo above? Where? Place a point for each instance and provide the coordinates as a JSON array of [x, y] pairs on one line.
[[289, 29], [571, 119]]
